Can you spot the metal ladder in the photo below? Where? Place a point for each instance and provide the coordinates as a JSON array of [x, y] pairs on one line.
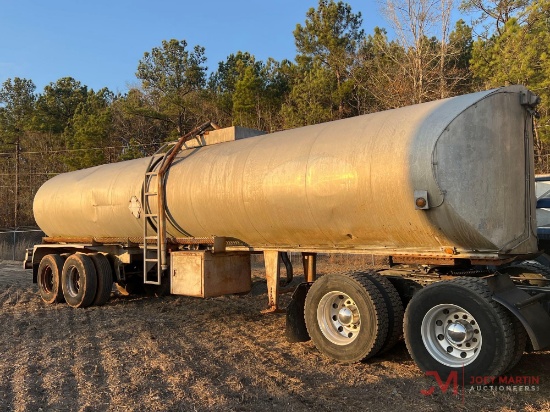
[[152, 241], [155, 243]]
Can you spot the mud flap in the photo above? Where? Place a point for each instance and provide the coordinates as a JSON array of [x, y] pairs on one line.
[[525, 307], [295, 322]]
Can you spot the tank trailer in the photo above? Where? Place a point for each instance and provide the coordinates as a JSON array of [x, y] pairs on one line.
[[445, 190]]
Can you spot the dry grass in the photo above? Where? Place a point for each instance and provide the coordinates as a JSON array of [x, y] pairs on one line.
[[179, 353]]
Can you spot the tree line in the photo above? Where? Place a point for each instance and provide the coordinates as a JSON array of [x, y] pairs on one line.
[[339, 71]]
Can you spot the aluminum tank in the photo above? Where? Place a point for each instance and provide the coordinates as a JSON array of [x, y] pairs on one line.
[[351, 184]]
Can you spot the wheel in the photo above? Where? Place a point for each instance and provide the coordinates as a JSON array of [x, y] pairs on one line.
[[395, 309], [104, 279], [79, 280], [346, 317], [49, 279], [521, 342], [456, 326]]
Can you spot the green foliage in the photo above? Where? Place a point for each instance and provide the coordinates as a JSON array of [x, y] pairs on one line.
[[223, 81], [172, 70], [461, 42], [330, 36], [379, 73], [327, 47], [56, 106], [223, 84], [311, 100], [169, 75], [90, 126], [519, 56], [457, 66], [249, 92], [134, 127], [17, 101], [246, 97]]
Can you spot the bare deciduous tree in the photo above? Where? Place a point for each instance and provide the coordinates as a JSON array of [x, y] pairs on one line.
[[422, 29]]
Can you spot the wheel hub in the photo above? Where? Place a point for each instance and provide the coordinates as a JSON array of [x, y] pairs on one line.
[[459, 332], [74, 281], [451, 335], [338, 318], [348, 315], [47, 280]]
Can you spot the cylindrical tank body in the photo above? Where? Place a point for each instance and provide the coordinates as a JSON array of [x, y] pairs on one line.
[[347, 184]]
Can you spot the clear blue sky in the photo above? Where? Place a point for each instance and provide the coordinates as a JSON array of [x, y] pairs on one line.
[[100, 42]]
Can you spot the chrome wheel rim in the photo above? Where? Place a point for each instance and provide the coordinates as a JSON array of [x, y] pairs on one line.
[[338, 318], [451, 335]]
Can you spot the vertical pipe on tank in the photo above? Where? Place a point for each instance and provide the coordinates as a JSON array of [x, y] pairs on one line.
[[309, 261]]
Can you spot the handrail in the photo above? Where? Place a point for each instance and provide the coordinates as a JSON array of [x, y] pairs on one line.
[[161, 205]]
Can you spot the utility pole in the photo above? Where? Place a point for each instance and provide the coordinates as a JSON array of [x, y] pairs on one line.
[[16, 191]]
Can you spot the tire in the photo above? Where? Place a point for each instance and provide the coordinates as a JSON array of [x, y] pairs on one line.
[[346, 317], [521, 339], [483, 342], [395, 310], [529, 272], [532, 273], [49, 279], [104, 279], [79, 280]]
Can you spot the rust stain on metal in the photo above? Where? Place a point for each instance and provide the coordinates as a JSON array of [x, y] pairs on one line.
[[426, 260]]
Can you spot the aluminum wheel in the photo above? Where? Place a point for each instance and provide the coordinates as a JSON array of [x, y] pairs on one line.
[[338, 318], [46, 279], [73, 282], [49, 278], [79, 280], [451, 335]]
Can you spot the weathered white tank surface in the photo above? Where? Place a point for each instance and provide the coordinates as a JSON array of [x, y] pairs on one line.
[[446, 177]]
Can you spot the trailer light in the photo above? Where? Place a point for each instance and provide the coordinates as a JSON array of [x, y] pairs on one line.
[[421, 199], [421, 202]]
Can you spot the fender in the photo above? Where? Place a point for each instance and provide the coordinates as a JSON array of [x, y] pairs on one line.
[[296, 330], [527, 308]]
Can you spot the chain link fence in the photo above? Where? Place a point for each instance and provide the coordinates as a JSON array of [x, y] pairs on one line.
[[15, 241]]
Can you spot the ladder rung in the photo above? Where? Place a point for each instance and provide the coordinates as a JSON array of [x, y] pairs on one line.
[[151, 237], [151, 260], [151, 173], [150, 214], [151, 193]]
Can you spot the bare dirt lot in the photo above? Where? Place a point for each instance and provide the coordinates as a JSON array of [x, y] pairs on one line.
[[178, 353]]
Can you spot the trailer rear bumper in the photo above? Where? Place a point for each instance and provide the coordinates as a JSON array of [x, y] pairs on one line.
[[27, 263]]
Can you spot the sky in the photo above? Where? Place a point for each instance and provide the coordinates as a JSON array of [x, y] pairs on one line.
[[100, 42]]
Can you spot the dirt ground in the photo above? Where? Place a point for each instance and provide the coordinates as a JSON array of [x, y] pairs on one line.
[[179, 354]]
